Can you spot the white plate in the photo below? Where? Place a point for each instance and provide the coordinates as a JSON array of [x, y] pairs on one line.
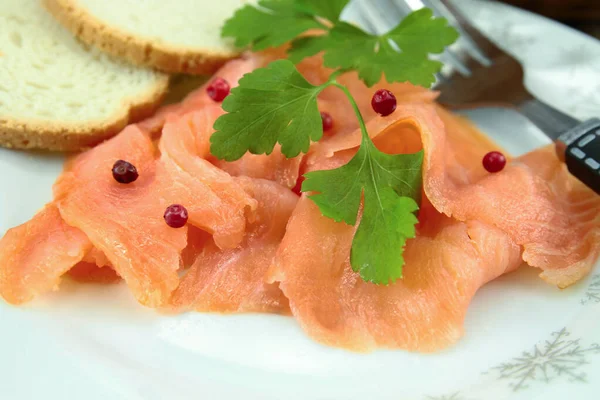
[[524, 339]]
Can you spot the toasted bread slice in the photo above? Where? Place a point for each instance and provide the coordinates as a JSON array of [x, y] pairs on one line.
[[55, 93], [180, 36]]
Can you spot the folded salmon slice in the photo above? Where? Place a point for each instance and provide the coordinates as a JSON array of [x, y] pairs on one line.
[[94, 268], [125, 222], [36, 254], [422, 312], [444, 266], [534, 199], [85, 272], [452, 256], [233, 280], [275, 167], [232, 72], [214, 200]]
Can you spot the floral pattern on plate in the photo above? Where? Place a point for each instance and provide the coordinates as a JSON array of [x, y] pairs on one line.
[[592, 294], [556, 358]]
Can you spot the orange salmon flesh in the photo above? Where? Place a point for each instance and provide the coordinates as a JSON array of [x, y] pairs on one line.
[[253, 245]]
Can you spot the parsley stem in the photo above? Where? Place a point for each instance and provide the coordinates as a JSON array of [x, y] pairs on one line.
[[335, 74], [361, 121]]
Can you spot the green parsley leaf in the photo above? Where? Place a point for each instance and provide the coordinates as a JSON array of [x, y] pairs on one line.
[[271, 24], [422, 33], [378, 245], [389, 184], [328, 9], [270, 105], [349, 47], [401, 55]]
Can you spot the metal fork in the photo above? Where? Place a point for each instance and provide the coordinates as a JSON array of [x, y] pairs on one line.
[[484, 75]]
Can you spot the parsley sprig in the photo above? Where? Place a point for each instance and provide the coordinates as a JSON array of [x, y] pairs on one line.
[[277, 104], [401, 54]]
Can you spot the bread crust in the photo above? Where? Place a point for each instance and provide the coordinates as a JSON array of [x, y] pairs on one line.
[[136, 50], [56, 136]]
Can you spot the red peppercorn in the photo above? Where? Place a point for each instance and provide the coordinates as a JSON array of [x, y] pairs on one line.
[[327, 121], [298, 188], [176, 216], [124, 172], [218, 89], [494, 161], [383, 102]]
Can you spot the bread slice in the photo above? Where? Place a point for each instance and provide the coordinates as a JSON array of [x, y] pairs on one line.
[[55, 93], [178, 36]]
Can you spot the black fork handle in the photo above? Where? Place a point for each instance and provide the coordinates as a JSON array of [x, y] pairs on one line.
[[577, 143], [581, 149]]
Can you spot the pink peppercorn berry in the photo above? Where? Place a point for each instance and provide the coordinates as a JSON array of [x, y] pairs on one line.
[[124, 172], [218, 90], [298, 188], [383, 102], [327, 121], [176, 216], [494, 161]]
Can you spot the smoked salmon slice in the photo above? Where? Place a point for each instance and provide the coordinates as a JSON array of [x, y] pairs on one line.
[[275, 167], [85, 272], [214, 200], [233, 280], [444, 266], [534, 199], [94, 268], [125, 222], [252, 245], [453, 255], [424, 311], [232, 72], [36, 254]]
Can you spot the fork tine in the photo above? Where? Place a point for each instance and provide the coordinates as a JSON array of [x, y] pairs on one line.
[[370, 18], [456, 59], [481, 43]]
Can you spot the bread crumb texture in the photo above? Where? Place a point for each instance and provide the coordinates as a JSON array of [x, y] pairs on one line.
[[180, 36], [58, 94]]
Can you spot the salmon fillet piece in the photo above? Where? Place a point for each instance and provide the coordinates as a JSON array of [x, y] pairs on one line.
[[275, 167], [94, 268], [333, 101], [233, 280], [232, 72], [213, 198], [534, 199], [85, 272], [467, 236], [111, 214], [422, 312], [444, 266], [36, 254]]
